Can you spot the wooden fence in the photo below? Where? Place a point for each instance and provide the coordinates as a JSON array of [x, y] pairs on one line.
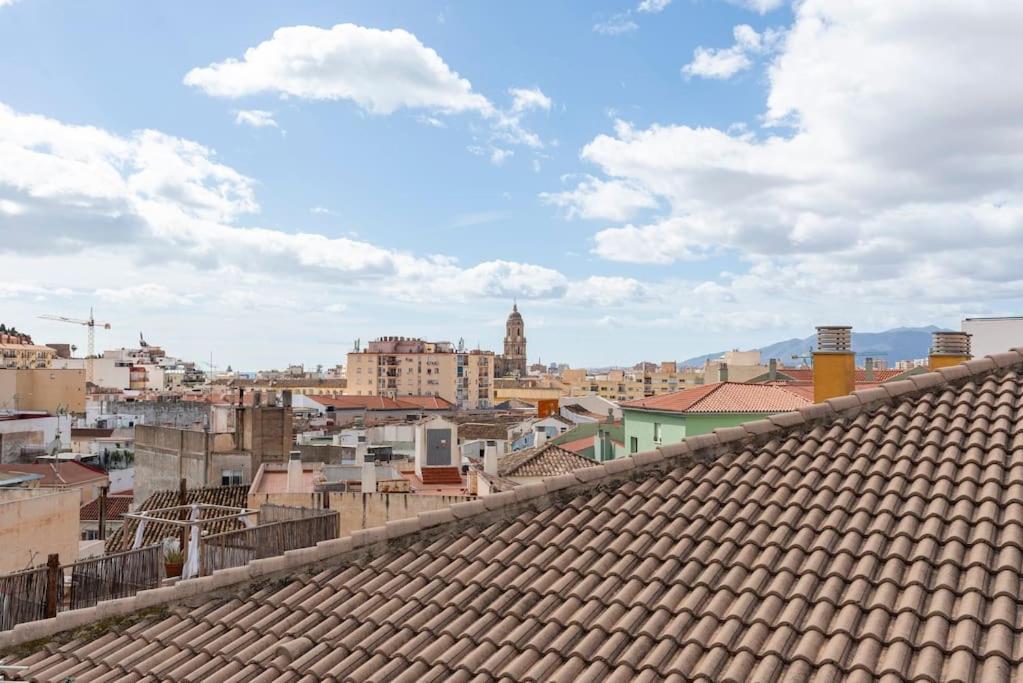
[[297, 528], [30, 595], [115, 576]]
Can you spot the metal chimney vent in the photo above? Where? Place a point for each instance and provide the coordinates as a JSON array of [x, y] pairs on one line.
[[834, 338], [950, 343]]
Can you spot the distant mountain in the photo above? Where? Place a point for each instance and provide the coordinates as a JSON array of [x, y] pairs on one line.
[[901, 343]]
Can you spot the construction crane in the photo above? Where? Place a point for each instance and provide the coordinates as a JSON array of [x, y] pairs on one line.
[[91, 324]]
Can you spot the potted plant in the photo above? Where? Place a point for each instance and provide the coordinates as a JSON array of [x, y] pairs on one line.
[[173, 558]]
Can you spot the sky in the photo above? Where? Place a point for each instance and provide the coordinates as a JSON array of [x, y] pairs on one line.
[[267, 182]]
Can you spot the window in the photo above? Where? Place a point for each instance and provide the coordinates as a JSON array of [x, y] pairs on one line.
[[633, 444], [657, 432], [230, 477]]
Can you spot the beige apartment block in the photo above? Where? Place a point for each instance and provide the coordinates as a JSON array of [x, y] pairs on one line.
[[36, 522], [18, 351], [46, 389], [400, 366]]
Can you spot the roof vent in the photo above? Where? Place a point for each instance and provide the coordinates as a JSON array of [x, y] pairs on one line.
[[834, 339], [950, 343]]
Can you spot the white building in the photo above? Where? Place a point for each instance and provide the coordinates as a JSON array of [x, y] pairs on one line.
[[993, 335]]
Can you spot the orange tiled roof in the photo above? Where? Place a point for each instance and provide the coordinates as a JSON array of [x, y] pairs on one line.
[[383, 402], [66, 473], [806, 374], [876, 537], [723, 397], [117, 505], [425, 402], [577, 445]]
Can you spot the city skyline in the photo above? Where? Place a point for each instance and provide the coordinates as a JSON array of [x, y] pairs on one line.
[[670, 177]]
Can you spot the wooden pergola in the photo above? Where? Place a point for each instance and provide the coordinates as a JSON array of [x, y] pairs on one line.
[[189, 518]]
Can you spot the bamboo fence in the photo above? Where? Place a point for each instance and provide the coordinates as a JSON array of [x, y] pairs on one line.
[[297, 528], [115, 576], [23, 596]]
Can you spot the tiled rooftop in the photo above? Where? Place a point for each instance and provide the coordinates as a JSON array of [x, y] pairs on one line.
[[723, 397], [806, 374], [117, 505], [471, 431], [549, 460], [876, 537], [62, 473], [383, 402]]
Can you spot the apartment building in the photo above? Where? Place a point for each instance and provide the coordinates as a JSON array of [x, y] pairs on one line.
[[627, 385], [18, 352], [402, 366]]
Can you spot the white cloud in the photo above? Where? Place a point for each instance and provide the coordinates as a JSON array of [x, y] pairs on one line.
[[431, 121], [322, 211], [496, 155], [616, 25], [721, 64], [652, 6], [151, 198], [524, 99], [593, 198], [758, 6], [7, 2], [257, 118], [381, 71], [888, 168], [726, 62], [147, 295], [598, 290]]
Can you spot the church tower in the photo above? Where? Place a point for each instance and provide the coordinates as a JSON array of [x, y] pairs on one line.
[[514, 360]]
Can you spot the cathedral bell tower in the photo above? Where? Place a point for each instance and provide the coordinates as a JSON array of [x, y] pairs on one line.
[[514, 360]]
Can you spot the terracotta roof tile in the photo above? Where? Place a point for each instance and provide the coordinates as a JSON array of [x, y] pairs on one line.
[[547, 461], [870, 547], [68, 472], [117, 505], [723, 397], [383, 402]]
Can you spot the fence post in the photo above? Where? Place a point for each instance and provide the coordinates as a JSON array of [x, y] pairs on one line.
[[103, 513], [183, 514], [52, 577]]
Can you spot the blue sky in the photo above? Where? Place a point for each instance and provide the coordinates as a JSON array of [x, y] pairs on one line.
[[677, 177]]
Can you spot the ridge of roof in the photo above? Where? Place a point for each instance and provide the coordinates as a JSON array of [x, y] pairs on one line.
[[369, 543]]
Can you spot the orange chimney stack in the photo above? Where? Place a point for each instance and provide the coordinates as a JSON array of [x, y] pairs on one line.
[[949, 348], [834, 363]]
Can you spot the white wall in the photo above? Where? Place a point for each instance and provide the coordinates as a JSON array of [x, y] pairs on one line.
[[595, 404], [122, 480], [993, 335]]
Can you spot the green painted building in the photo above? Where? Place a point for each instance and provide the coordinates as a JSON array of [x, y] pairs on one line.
[[670, 418]]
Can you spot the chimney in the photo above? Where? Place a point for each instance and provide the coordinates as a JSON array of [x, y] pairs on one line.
[[723, 372], [834, 363], [295, 472], [257, 398], [949, 348], [490, 458], [369, 477], [772, 369], [361, 448], [241, 396], [868, 370], [539, 437], [286, 398]]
